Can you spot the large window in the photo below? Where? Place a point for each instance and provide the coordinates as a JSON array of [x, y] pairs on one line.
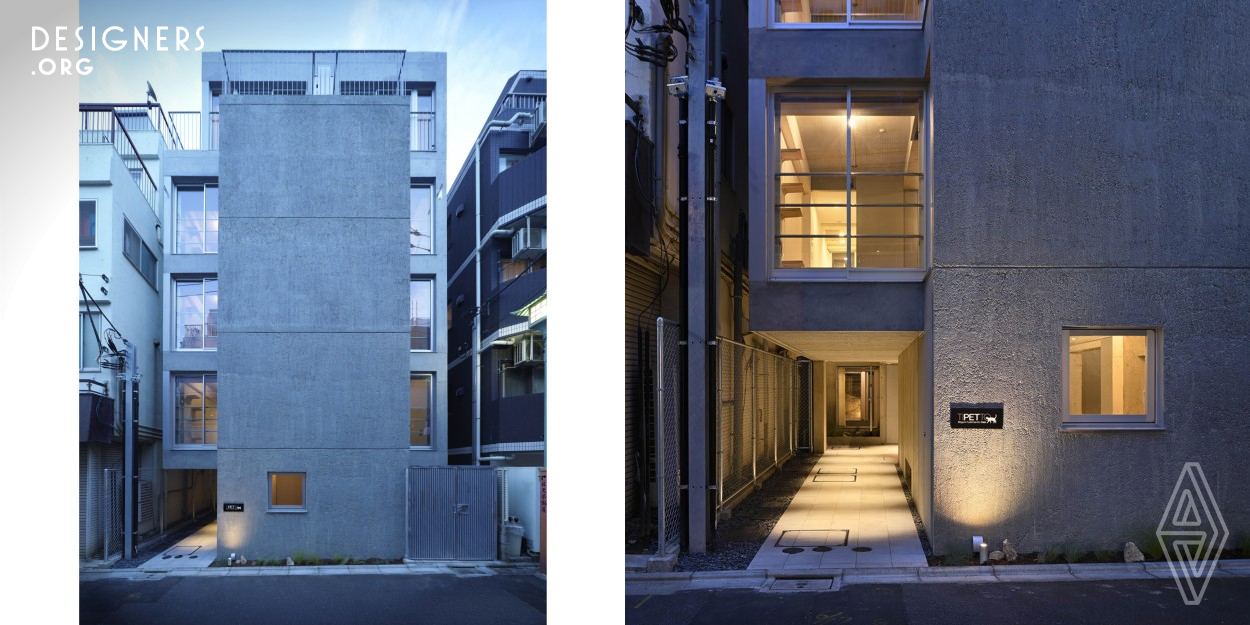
[[286, 492], [139, 254], [421, 219], [848, 13], [195, 313], [420, 314], [90, 332], [195, 408], [420, 409], [86, 223], [196, 227], [1110, 378], [848, 184]]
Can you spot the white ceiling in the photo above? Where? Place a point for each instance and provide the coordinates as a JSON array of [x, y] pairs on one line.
[[844, 346]]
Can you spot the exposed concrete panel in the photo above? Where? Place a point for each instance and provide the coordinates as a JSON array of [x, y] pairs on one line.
[[1039, 486], [849, 55], [881, 306], [354, 501]]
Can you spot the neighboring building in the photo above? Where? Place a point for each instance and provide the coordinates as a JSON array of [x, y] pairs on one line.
[[120, 260], [303, 365], [497, 262], [947, 212]]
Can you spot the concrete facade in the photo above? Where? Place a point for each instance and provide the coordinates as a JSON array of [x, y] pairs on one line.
[[1080, 170], [313, 359]]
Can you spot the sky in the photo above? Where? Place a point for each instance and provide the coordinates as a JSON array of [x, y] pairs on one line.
[[486, 42]]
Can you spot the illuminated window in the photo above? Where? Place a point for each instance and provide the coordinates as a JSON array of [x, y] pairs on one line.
[[286, 492], [848, 184], [195, 408], [1111, 378], [848, 13], [420, 409], [420, 314]]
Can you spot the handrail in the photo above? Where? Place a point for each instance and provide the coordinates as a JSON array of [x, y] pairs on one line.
[[86, 131]]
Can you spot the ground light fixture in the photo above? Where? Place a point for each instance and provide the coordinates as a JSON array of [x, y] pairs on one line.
[[978, 544], [984, 550]]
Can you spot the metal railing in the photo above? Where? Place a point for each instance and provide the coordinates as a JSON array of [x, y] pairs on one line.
[[313, 72], [187, 124], [422, 132], [538, 123], [668, 434], [100, 124], [756, 417]]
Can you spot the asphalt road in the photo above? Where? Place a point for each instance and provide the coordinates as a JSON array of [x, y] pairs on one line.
[[1135, 602], [312, 599]]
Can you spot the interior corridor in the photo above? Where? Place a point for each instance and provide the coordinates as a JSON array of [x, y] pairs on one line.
[[850, 513]]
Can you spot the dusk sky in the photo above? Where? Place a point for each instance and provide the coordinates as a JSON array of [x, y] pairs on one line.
[[486, 42]]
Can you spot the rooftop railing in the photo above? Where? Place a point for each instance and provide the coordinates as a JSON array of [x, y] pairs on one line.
[[107, 124], [188, 125], [313, 72]]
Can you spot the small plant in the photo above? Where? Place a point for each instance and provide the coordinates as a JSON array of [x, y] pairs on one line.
[[338, 558]]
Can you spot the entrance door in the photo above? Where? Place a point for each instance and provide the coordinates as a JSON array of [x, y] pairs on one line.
[[855, 401], [324, 84]]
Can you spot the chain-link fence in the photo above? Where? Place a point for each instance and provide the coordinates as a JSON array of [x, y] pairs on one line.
[[668, 433], [151, 508], [756, 419]]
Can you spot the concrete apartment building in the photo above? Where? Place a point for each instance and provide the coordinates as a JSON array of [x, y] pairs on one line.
[[303, 362], [497, 263], [1021, 217]]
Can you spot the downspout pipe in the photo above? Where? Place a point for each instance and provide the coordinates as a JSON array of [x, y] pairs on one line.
[[493, 125], [130, 416]]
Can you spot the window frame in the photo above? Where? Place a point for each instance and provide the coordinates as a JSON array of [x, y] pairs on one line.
[[771, 19], [1152, 419], [429, 418], [174, 321], [95, 223], [412, 249], [83, 325], [173, 404], [282, 509], [774, 272], [137, 263], [433, 298], [203, 187]]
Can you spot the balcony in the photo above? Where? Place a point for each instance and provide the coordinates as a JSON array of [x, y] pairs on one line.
[[124, 127], [847, 13], [193, 136]]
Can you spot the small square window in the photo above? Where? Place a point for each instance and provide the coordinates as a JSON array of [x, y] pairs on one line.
[[286, 492], [1111, 379]]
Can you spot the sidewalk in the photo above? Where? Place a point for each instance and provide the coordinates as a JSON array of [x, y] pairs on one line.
[[458, 569]]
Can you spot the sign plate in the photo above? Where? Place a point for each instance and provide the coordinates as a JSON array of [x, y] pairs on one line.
[[977, 417], [232, 507]]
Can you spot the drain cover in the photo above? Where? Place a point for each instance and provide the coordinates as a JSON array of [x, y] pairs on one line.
[[793, 550], [820, 549], [837, 470], [862, 549], [834, 477], [802, 584]]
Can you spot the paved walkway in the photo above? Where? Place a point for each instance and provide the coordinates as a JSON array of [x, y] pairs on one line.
[[850, 513], [196, 551]]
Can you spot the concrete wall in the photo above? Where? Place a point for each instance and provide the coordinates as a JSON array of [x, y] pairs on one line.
[[1088, 174], [314, 360]]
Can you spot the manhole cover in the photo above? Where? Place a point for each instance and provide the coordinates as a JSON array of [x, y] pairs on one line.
[[822, 549], [793, 550], [802, 584], [862, 549]]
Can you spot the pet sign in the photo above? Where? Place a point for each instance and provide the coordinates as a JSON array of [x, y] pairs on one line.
[[977, 417]]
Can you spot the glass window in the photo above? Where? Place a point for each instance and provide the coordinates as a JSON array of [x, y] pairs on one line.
[[420, 409], [196, 227], [420, 314], [848, 13], [421, 217], [1109, 376], [286, 492], [139, 254], [86, 223], [90, 333], [195, 311], [848, 184], [422, 130], [195, 408]]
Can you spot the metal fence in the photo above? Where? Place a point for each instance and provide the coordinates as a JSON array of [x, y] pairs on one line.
[[803, 404], [187, 124], [756, 417], [668, 434], [452, 513], [101, 124], [313, 72], [422, 132], [151, 520]]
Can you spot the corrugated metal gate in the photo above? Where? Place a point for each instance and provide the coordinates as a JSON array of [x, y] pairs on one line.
[[668, 434], [452, 513]]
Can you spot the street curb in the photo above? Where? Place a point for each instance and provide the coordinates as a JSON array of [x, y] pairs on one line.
[[673, 582], [445, 568]]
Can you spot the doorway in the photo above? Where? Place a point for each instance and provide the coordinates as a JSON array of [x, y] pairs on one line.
[[855, 400]]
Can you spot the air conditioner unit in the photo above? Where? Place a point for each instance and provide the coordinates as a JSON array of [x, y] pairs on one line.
[[529, 243], [529, 351]]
